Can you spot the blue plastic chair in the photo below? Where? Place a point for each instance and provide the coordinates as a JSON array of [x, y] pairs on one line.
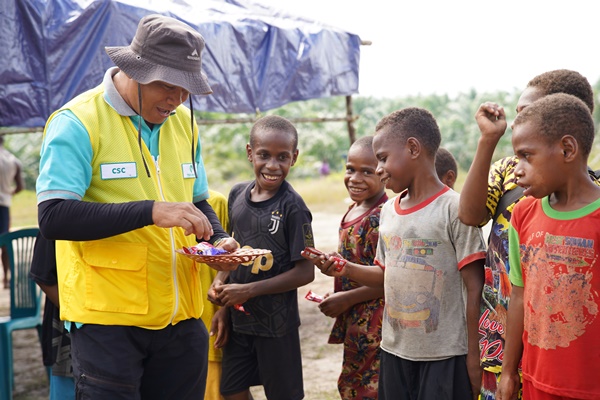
[[25, 301]]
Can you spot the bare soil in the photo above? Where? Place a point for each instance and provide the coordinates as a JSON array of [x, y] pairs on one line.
[[321, 361]]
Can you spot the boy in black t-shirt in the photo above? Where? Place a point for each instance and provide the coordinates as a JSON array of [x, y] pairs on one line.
[[266, 213]]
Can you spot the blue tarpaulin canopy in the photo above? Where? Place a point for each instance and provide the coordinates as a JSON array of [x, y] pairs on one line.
[[256, 58]]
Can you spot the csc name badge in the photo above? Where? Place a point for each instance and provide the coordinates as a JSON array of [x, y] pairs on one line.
[[118, 170], [188, 170]]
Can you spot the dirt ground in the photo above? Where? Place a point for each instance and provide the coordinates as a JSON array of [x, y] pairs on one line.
[[321, 361]]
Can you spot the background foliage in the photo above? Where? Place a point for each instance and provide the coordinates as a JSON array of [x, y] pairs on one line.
[[224, 144]]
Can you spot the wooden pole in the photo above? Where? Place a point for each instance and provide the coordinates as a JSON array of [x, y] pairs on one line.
[[253, 120], [350, 120]]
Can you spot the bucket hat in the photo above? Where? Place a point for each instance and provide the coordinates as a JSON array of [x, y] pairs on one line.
[[163, 49]]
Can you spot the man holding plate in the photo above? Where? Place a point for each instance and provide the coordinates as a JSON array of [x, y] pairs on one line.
[[122, 186]]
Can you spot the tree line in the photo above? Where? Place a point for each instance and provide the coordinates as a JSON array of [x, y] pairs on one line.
[[223, 145]]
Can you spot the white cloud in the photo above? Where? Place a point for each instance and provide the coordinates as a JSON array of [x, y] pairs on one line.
[[452, 46]]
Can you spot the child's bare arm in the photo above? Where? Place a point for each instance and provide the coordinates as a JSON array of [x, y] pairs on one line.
[[473, 277], [508, 388], [220, 327], [238, 293], [362, 294], [329, 264], [472, 208], [368, 275], [51, 292], [337, 303]]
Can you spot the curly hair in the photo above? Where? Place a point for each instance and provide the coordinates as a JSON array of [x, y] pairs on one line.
[[444, 162], [365, 142], [560, 114], [412, 122], [565, 81], [274, 122]]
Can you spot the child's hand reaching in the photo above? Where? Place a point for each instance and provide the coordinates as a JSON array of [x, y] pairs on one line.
[[231, 294], [334, 304], [491, 120], [331, 264], [218, 281]]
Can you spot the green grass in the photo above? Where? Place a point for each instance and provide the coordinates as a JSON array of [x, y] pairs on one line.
[[23, 211], [323, 194]]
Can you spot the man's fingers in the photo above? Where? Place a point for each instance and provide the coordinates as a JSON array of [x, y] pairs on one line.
[[183, 215]]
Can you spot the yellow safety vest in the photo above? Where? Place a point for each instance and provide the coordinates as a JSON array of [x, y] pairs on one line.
[[135, 278]]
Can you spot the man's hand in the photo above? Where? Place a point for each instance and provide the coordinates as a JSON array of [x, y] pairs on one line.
[[229, 244], [183, 215]]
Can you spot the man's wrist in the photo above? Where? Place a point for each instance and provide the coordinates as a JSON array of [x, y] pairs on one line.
[[218, 241]]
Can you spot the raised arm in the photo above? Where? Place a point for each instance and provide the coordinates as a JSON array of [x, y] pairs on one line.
[[472, 209]]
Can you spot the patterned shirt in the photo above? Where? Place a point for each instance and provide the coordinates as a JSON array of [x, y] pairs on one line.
[[359, 328], [555, 257], [497, 288]]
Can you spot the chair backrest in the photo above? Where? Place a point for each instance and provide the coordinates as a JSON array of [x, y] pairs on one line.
[[25, 296]]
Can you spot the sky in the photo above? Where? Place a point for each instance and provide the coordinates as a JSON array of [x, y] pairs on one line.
[[448, 47]]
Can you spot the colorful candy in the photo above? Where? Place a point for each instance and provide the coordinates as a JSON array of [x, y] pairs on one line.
[[204, 249]]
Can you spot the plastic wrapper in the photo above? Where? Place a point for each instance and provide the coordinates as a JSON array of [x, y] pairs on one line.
[[204, 249], [313, 297], [241, 308]]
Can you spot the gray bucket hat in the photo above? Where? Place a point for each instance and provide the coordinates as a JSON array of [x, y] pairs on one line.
[[164, 49]]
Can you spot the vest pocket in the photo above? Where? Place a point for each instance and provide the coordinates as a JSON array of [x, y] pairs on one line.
[[116, 277]]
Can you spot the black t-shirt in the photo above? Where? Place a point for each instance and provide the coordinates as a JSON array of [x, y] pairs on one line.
[[281, 224]]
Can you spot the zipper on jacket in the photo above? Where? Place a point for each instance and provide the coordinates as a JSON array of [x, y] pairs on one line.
[[173, 253]]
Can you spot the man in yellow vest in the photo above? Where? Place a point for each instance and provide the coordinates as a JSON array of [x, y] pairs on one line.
[[122, 185]]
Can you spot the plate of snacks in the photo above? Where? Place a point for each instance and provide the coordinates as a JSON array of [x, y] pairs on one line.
[[205, 252]]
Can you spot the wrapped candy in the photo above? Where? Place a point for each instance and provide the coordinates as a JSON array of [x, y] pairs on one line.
[[339, 264], [241, 308], [313, 297], [204, 249]]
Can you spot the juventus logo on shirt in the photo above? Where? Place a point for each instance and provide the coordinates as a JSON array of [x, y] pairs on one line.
[[275, 221]]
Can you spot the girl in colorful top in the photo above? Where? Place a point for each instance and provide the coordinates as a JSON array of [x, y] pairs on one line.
[[358, 309]]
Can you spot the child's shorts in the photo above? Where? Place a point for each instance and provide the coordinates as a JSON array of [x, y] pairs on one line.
[[427, 380], [275, 363]]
